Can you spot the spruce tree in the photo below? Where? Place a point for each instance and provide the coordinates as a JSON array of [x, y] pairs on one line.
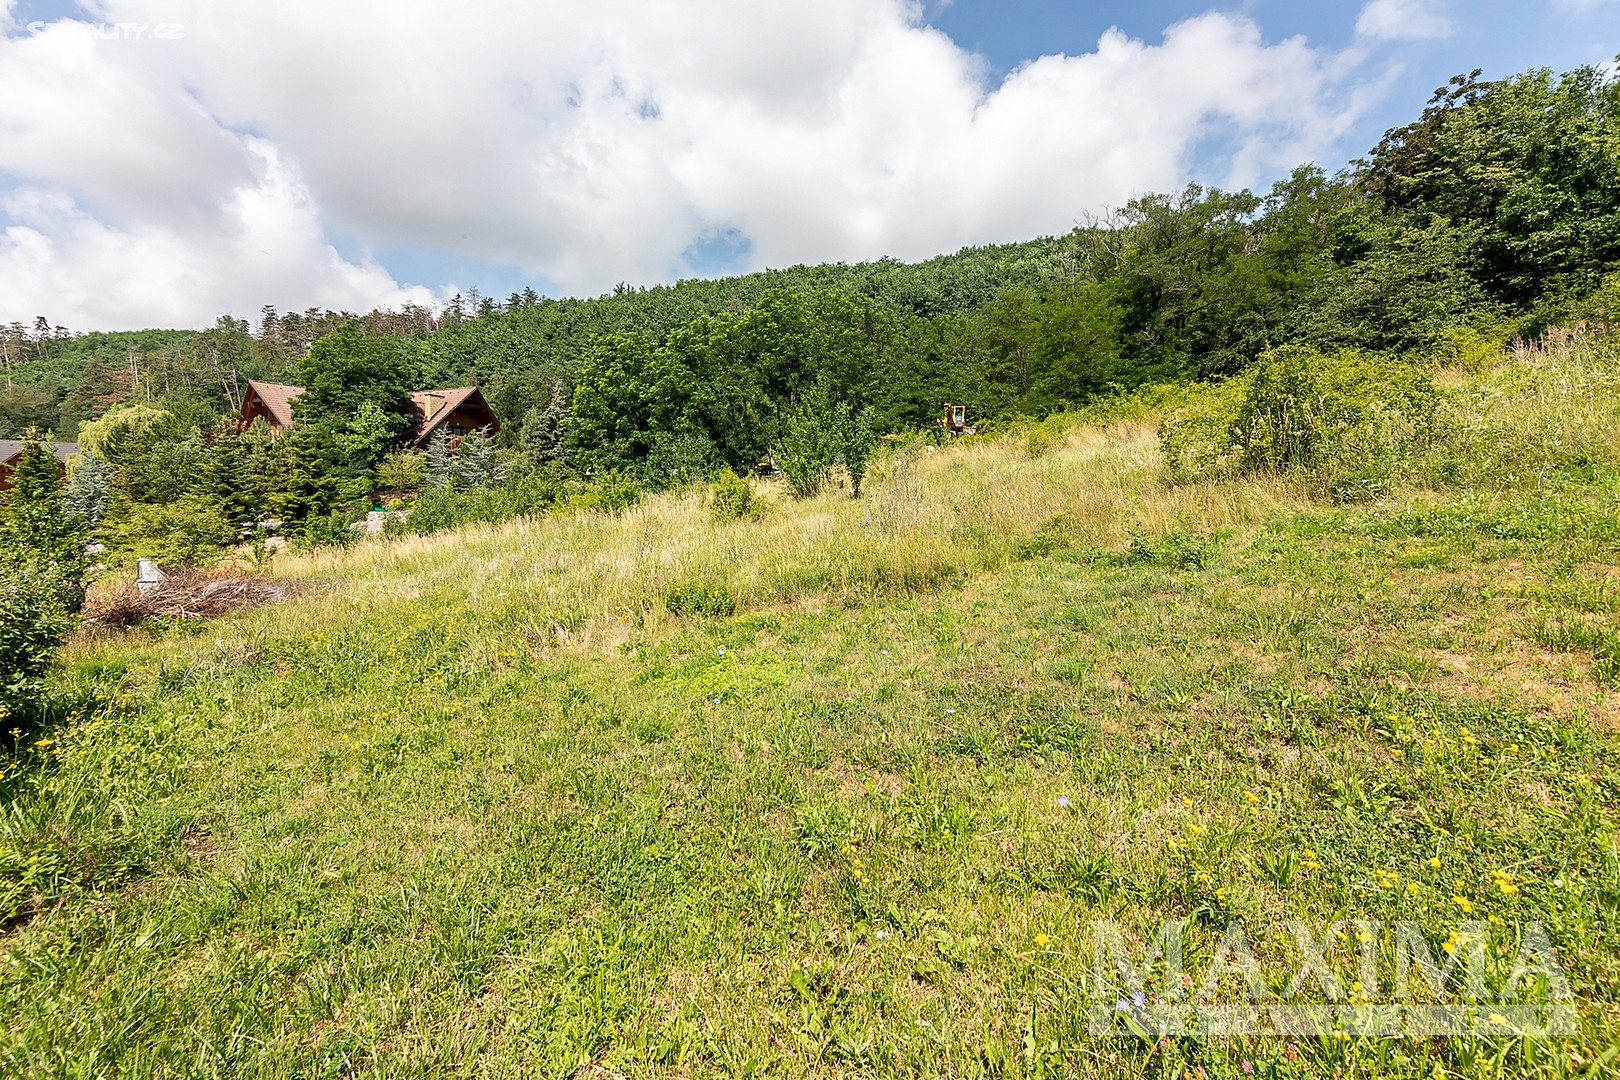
[[441, 463], [89, 491], [36, 525], [477, 464], [545, 436], [226, 479]]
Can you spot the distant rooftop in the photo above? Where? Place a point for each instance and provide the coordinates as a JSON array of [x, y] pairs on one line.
[[10, 448]]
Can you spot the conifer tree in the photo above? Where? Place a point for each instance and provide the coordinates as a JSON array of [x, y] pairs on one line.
[[36, 525], [477, 465], [441, 463], [89, 491]]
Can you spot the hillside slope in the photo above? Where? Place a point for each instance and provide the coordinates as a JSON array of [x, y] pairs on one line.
[[840, 791]]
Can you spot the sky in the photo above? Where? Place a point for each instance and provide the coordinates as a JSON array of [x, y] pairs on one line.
[[163, 162]]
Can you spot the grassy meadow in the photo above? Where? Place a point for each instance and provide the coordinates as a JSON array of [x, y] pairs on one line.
[[840, 791]]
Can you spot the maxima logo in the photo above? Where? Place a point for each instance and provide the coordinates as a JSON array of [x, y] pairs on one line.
[[1391, 983]]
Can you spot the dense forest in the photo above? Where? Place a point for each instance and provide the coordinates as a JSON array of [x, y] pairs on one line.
[[1494, 214]]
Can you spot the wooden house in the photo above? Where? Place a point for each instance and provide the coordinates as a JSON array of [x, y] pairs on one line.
[[270, 401], [458, 411], [11, 450]]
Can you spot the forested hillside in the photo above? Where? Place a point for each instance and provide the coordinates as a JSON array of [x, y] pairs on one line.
[[1492, 215]]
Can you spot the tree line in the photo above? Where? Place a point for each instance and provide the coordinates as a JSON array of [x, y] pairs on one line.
[[1496, 210]]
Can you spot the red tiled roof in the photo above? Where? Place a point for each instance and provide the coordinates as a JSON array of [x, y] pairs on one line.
[[277, 398], [431, 407]]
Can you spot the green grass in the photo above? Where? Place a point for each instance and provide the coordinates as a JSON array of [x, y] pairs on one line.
[[672, 796]]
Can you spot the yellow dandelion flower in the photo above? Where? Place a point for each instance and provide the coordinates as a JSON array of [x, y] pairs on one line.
[[1041, 941]]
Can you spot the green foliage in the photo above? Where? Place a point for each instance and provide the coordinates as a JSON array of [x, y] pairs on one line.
[[35, 618], [543, 430], [42, 575], [1528, 165], [334, 529], [1602, 306], [808, 450], [89, 488], [352, 367], [821, 433], [439, 462], [403, 470], [189, 532], [612, 492], [477, 463], [706, 598], [232, 476], [678, 459], [309, 476], [126, 431], [733, 498], [1177, 550], [367, 435], [36, 523], [1300, 410], [532, 494], [628, 391]]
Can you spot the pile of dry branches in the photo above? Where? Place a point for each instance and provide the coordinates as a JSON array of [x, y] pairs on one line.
[[188, 596]]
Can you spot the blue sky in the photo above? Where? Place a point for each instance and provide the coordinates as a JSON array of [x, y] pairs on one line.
[[1502, 37], [305, 153]]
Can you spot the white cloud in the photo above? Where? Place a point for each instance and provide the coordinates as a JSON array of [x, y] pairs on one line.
[[1405, 20], [164, 181]]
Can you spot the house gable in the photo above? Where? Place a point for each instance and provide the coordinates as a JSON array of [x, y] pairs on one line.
[[11, 450], [272, 401], [458, 412]]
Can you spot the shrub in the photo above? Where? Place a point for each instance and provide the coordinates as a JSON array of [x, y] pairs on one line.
[[189, 532], [478, 464], [1298, 410], [820, 434], [613, 492], [34, 621], [448, 508], [707, 598], [809, 445], [1177, 549], [677, 460], [335, 529], [402, 470], [733, 497]]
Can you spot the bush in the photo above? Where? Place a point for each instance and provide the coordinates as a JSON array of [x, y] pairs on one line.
[[402, 470], [733, 497], [820, 434], [707, 598], [613, 493], [189, 532], [34, 621], [1177, 549], [335, 529], [1351, 414], [449, 508], [678, 460]]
